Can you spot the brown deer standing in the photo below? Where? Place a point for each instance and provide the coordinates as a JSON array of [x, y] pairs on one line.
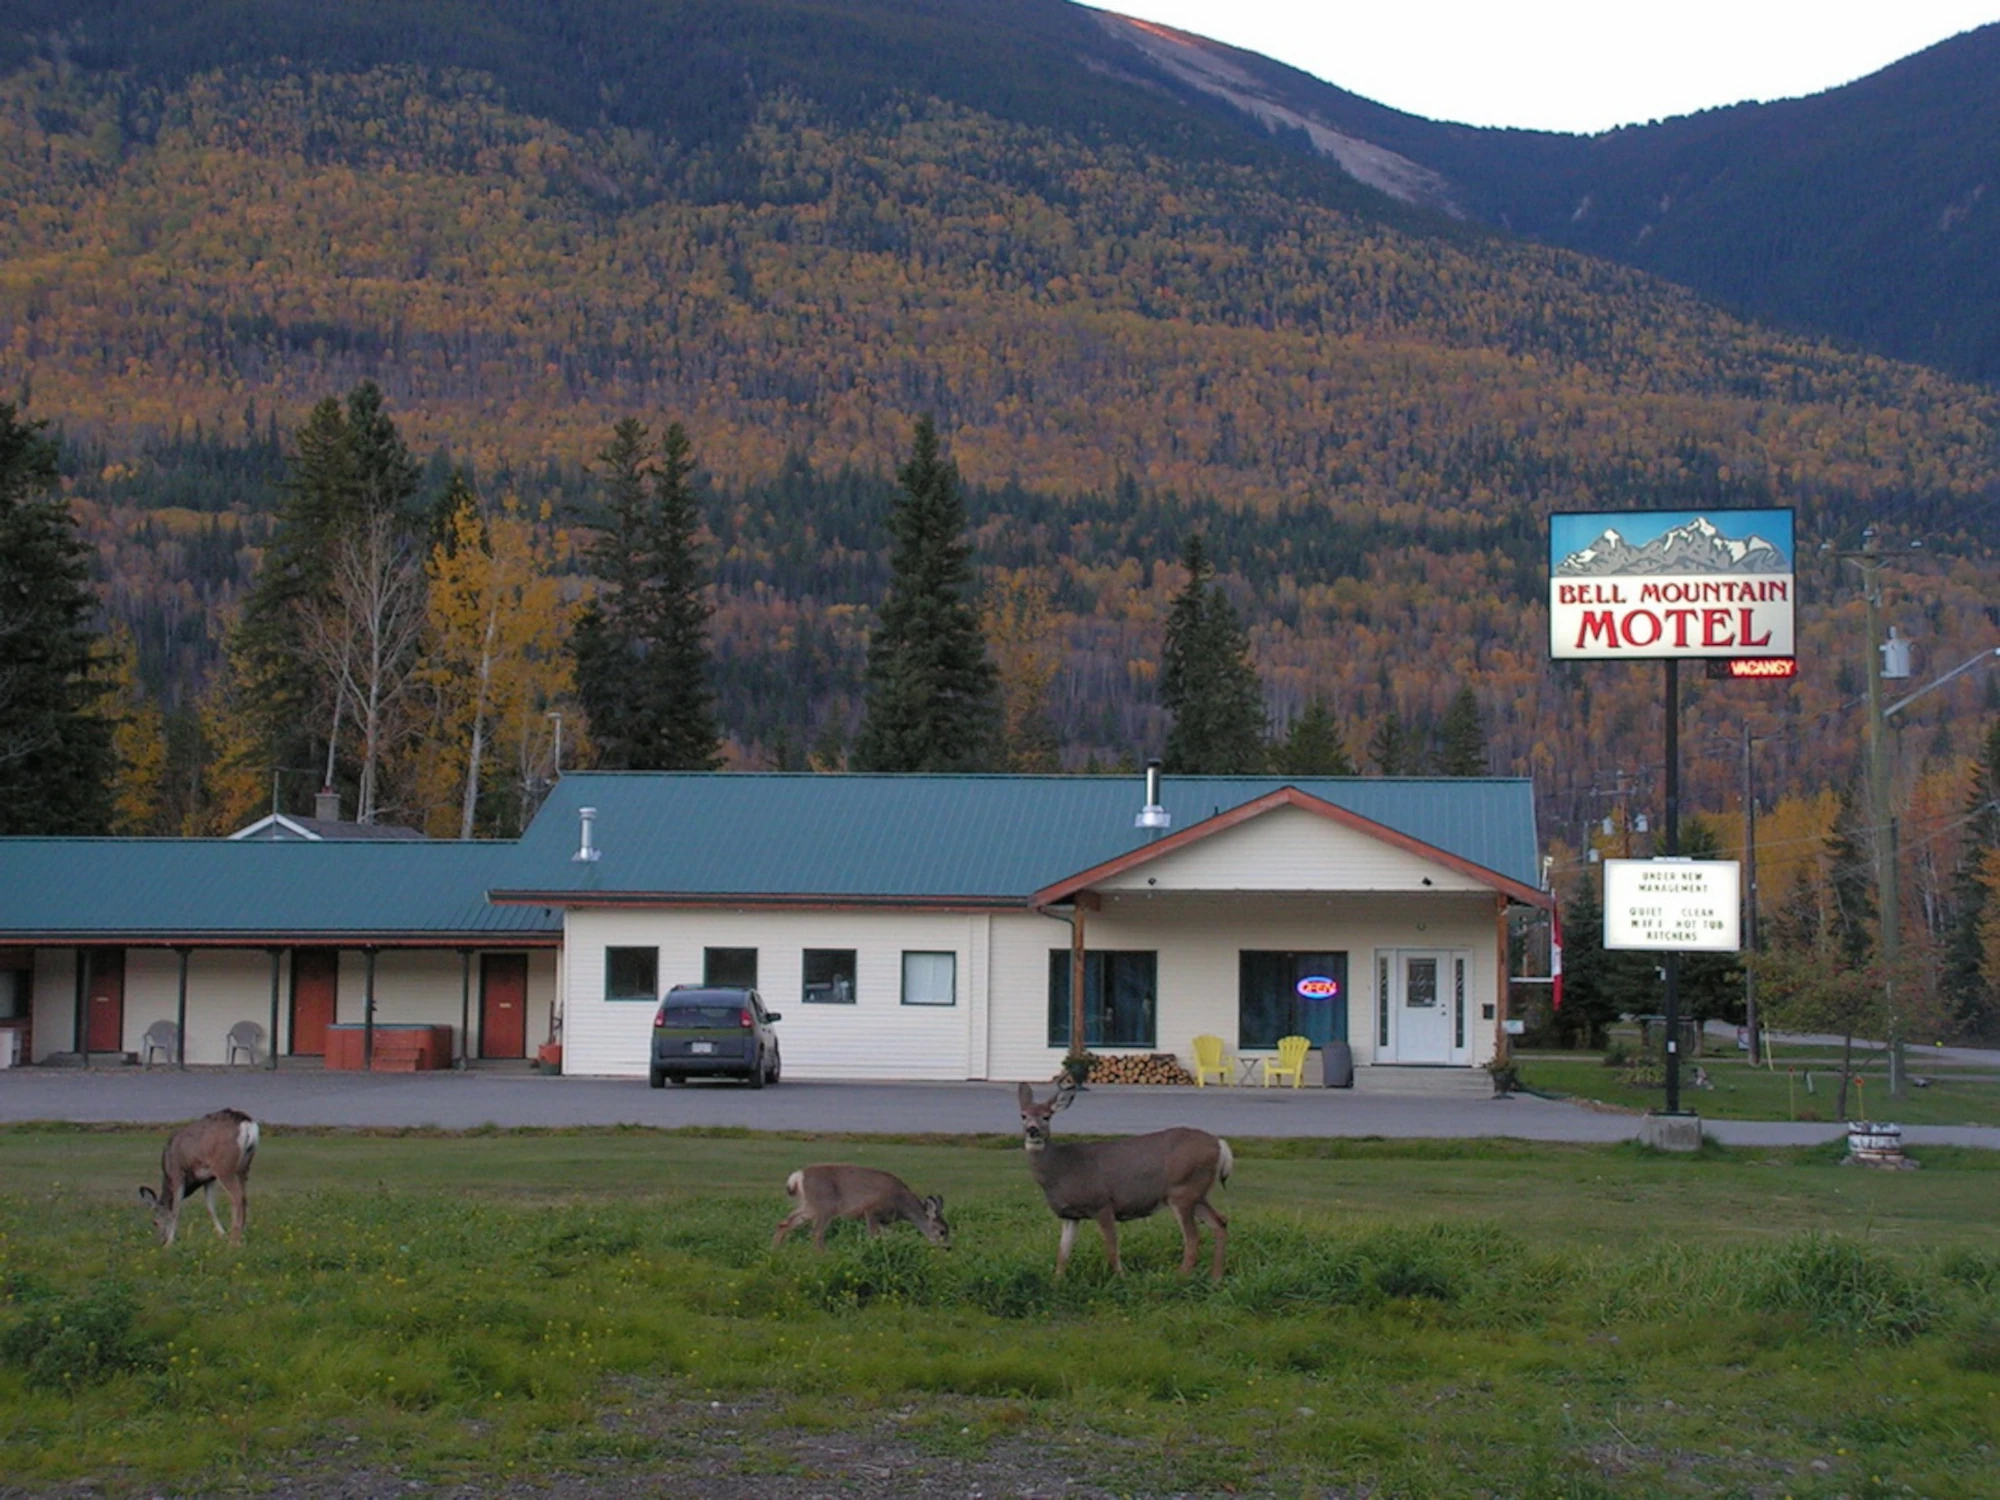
[[833, 1190], [1127, 1179], [215, 1149]]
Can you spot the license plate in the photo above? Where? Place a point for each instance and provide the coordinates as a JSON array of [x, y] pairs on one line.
[[701, 1046]]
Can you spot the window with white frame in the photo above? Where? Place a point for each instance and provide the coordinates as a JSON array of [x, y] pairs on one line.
[[930, 979]]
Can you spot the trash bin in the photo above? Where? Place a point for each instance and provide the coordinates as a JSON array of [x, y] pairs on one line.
[[1336, 1065]]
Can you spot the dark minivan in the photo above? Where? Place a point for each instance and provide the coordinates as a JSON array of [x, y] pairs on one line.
[[714, 1031]]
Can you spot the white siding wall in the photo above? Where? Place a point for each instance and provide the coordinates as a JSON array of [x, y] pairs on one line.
[[1290, 849], [999, 1027], [876, 1037], [54, 1001]]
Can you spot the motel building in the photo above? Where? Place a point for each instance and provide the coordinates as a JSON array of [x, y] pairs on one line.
[[906, 927]]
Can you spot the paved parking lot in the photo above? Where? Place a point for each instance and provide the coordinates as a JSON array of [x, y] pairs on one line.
[[1398, 1108]]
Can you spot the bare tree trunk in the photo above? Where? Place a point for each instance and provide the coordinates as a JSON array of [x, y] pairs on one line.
[[476, 753], [365, 636]]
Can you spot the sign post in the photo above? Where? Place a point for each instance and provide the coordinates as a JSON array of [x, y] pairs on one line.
[[1669, 585]]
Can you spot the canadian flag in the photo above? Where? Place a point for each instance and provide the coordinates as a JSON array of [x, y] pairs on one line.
[[1556, 958]]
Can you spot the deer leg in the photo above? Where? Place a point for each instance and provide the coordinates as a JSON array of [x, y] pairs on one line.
[[239, 1209], [208, 1198], [1068, 1244], [1107, 1225], [787, 1224], [1218, 1226], [1190, 1236]]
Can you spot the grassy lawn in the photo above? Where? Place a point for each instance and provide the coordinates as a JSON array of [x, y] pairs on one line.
[[1804, 1085], [602, 1311]]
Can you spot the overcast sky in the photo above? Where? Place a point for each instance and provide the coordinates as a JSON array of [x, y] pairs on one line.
[[1578, 65]]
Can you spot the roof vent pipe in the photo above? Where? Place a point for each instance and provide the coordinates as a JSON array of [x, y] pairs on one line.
[[1152, 815], [586, 852]]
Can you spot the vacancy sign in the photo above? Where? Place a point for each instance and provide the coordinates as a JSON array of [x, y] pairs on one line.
[[1691, 904], [1670, 583]]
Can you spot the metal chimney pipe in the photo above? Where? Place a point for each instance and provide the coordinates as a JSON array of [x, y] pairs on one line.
[[586, 852], [1152, 815]]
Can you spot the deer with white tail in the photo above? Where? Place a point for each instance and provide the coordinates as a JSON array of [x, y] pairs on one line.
[[1107, 1181], [216, 1149], [834, 1190]]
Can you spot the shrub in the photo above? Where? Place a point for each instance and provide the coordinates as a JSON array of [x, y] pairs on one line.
[[1839, 1284], [69, 1341]]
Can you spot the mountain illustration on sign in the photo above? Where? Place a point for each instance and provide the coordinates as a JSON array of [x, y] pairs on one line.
[[1698, 547]]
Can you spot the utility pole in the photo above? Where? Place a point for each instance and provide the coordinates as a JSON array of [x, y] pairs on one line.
[[1750, 900], [1880, 812]]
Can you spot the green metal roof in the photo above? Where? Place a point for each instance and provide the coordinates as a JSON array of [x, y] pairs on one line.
[[924, 839], [220, 890], [988, 839]]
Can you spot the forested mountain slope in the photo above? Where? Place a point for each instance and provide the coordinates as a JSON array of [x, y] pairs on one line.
[[1870, 212], [1130, 317]]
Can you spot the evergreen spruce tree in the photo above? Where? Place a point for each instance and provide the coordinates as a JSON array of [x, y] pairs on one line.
[[1206, 680], [1462, 738], [1393, 748], [932, 691], [56, 756], [641, 646], [348, 468], [1849, 847], [1711, 984], [1313, 746], [1971, 989]]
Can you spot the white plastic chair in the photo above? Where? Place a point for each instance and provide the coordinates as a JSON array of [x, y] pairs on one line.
[[161, 1036], [245, 1036]]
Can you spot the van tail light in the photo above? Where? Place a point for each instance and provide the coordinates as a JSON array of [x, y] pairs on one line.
[[660, 1017], [743, 1020]]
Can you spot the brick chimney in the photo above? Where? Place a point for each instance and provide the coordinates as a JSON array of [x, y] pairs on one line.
[[326, 805]]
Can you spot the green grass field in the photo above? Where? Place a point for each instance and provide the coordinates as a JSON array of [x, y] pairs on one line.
[[1424, 1318], [1804, 1085]]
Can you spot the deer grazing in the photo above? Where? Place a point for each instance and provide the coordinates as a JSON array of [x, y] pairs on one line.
[[216, 1149], [1127, 1179], [833, 1190]]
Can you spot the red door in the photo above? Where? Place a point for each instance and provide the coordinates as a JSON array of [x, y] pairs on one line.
[[503, 1005], [315, 988], [104, 1000]]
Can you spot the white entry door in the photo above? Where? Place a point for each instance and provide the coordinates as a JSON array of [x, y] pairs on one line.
[[1422, 1003]]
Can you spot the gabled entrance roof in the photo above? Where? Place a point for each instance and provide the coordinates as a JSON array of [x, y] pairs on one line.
[[1288, 796]]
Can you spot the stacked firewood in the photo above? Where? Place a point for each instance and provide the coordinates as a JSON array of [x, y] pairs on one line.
[[1153, 1067]]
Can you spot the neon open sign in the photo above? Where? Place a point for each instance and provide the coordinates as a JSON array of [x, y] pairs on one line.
[[1318, 987]]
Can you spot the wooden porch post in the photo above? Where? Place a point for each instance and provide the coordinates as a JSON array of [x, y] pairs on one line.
[[82, 1038], [271, 1056], [1085, 901], [181, 1016], [368, 1012], [465, 1008], [1502, 1048]]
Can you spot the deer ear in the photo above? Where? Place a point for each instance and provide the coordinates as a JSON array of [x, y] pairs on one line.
[[935, 1203], [147, 1197], [1025, 1094]]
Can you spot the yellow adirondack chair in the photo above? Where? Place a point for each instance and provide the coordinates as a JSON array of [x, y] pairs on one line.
[[1208, 1059], [1290, 1061]]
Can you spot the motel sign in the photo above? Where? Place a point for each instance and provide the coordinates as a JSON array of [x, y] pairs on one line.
[[1660, 584]]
